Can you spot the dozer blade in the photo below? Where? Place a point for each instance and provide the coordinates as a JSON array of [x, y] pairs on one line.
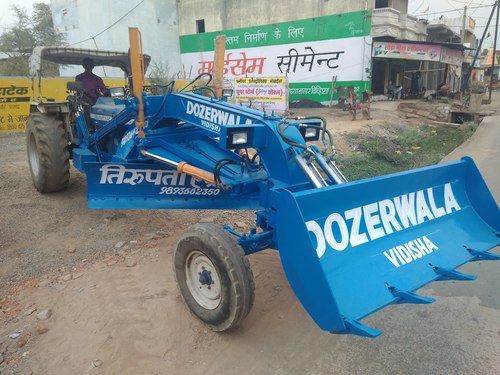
[[350, 250]]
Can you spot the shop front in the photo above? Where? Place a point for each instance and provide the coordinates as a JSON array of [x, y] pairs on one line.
[[418, 68]]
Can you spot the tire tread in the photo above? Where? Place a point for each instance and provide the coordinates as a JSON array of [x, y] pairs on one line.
[[237, 267], [52, 145]]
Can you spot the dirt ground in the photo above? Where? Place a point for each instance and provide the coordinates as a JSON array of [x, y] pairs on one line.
[[340, 122], [106, 277]]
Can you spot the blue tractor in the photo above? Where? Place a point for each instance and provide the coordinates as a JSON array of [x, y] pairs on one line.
[[348, 248]]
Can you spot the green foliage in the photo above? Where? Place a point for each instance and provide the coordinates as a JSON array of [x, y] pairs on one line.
[[400, 149], [18, 42]]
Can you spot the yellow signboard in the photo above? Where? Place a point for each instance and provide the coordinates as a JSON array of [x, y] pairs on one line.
[[17, 92], [263, 93]]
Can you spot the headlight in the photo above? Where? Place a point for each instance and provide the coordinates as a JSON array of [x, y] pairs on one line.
[[310, 133], [240, 138]]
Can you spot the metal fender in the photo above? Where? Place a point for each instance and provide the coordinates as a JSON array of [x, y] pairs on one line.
[[349, 250]]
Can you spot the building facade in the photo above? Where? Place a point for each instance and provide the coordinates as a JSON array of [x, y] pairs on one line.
[[312, 53], [325, 41], [391, 19], [386, 20], [104, 25], [415, 54], [196, 16]]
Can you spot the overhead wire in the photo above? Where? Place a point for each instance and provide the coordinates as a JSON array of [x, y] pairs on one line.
[[467, 2], [110, 26], [474, 10], [453, 10], [418, 7]]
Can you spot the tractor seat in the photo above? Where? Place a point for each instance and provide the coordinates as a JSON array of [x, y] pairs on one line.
[[105, 109]]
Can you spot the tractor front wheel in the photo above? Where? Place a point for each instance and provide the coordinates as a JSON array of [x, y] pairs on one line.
[[48, 154], [214, 276]]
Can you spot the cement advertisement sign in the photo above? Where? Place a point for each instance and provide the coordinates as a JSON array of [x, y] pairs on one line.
[[262, 93], [308, 52]]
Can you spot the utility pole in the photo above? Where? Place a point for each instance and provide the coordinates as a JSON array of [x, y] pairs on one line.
[[463, 24], [494, 57], [465, 80]]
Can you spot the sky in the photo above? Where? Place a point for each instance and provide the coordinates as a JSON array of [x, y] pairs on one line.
[[415, 7], [418, 7]]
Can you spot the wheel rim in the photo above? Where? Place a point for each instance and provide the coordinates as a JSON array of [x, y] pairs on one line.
[[33, 156], [203, 280]]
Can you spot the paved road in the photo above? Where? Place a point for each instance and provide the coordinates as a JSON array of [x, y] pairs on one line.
[[484, 147]]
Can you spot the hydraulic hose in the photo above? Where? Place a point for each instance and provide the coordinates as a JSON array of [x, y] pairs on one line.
[[220, 164], [197, 78], [286, 139], [208, 88], [323, 128], [327, 132], [164, 100]]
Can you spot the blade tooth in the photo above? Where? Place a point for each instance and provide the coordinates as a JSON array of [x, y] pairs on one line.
[[409, 297], [356, 328], [482, 255], [451, 274]]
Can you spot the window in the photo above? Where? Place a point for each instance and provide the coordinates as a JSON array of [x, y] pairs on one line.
[[381, 4], [200, 26]]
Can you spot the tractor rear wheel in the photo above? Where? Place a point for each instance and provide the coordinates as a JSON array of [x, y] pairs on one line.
[[214, 276], [48, 154]]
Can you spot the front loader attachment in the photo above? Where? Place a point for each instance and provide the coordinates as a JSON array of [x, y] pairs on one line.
[[349, 250]]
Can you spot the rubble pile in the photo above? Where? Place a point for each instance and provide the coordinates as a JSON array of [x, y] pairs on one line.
[[432, 111]]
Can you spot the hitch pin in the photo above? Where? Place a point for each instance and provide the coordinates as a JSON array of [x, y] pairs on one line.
[[183, 167]]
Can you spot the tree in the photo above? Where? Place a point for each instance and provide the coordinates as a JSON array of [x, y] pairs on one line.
[[159, 74], [18, 42]]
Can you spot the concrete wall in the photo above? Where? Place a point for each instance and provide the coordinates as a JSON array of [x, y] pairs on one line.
[[391, 22], [400, 5], [157, 20], [456, 24], [233, 14]]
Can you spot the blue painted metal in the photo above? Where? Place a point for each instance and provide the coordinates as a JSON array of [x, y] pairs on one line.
[[205, 277], [153, 185], [253, 242], [354, 327], [349, 279], [482, 255], [409, 297], [348, 250], [450, 274]]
